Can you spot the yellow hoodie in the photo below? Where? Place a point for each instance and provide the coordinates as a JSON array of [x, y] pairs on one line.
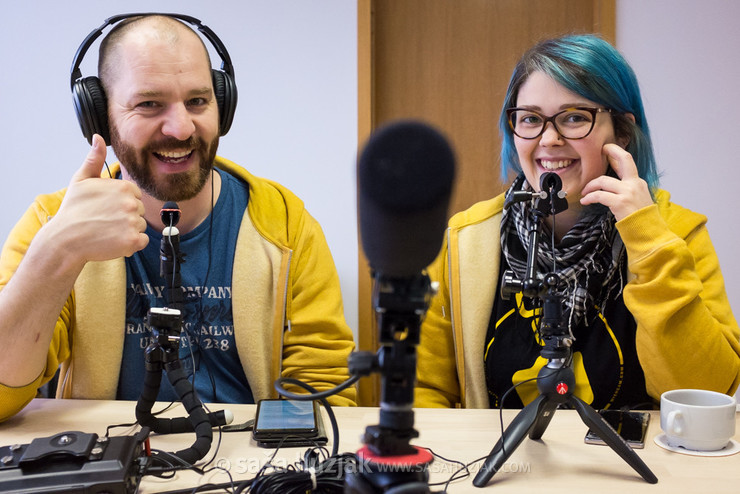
[[686, 335], [287, 306]]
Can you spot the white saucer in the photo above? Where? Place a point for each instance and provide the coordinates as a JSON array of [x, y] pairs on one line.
[[732, 448]]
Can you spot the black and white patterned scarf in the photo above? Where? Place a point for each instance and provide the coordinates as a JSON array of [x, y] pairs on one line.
[[587, 260]]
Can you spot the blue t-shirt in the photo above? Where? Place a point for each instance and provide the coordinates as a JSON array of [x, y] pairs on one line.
[[207, 348]]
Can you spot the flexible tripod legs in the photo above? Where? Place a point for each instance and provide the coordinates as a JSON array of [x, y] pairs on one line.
[[555, 387], [162, 354]]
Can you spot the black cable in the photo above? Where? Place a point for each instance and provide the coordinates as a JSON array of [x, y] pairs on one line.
[[454, 476], [314, 394], [501, 404], [195, 337], [325, 476], [173, 463], [460, 473], [205, 283], [175, 267], [552, 233], [197, 451]]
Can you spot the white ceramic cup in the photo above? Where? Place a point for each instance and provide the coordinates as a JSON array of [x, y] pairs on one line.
[[697, 419]]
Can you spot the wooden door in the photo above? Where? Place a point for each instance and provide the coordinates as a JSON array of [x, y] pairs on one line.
[[448, 62]]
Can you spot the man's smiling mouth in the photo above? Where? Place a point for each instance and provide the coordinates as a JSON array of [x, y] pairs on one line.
[[173, 157]]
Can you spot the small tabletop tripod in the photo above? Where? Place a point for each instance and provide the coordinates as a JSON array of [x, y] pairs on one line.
[[555, 380], [163, 353]]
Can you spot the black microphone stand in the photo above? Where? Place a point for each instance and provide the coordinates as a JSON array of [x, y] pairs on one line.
[[388, 462], [556, 380], [163, 353]]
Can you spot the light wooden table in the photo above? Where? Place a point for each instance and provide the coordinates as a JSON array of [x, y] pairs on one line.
[[559, 462]]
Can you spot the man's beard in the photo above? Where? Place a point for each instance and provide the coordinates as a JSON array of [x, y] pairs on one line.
[[171, 187]]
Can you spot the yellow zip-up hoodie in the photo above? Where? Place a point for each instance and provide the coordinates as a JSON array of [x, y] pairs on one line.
[[287, 305], [686, 335]]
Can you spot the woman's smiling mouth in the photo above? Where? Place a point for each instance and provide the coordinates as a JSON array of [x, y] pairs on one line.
[[555, 164]]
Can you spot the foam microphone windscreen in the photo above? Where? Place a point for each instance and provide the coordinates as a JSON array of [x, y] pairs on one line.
[[405, 175]]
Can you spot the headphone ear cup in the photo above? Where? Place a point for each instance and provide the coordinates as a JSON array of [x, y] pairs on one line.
[[224, 89], [91, 107]]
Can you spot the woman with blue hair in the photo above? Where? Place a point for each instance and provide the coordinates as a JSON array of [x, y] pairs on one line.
[[642, 296]]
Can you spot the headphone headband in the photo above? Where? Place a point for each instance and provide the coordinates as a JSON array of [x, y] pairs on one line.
[[76, 73]]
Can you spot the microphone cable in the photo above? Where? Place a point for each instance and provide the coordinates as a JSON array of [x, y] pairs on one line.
[[316, 472], [315, 395], [194, 337]]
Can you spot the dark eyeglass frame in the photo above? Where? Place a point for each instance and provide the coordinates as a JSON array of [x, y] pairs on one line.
[[593, 111]]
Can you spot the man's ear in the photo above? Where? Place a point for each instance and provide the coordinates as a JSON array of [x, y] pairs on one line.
[[622, 135]]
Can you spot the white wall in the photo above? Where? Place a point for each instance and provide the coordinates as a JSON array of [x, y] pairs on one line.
[[685, 54], [295, 63], [296, 122]]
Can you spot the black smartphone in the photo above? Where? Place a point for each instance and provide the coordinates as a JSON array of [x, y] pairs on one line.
[[631, 425], [286, 423]]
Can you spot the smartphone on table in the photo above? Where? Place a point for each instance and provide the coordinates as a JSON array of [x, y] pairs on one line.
[[631, 425], [287, 423]]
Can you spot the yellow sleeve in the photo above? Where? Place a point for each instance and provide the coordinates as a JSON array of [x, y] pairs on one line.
[[437, 379], [14, 399], [316, 348], [687, 336]]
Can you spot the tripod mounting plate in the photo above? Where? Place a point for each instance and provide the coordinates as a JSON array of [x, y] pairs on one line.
[[74, 462]]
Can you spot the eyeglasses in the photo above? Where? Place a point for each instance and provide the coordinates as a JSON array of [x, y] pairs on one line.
[[571, 123]]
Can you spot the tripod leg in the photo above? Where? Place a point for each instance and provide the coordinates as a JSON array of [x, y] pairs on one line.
[[597, 424], [512, 437], [543, 419]]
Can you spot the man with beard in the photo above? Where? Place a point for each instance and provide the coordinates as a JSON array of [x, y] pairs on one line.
[[261, 292]]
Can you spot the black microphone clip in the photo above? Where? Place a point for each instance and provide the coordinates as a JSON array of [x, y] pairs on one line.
[[549, 200]]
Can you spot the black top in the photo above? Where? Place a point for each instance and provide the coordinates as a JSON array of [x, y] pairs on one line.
[[607, 371]]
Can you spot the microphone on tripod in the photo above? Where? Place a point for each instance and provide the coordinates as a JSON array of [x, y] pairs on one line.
[[162, 354], [170, 255], [405, 175], [556, 379]]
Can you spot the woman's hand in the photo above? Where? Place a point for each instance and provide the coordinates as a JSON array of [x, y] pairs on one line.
[[623, 195]]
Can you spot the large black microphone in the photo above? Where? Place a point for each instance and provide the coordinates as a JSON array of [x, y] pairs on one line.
[[405, 176]]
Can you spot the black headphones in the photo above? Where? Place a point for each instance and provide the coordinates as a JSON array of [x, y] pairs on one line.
[[91, 105]]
